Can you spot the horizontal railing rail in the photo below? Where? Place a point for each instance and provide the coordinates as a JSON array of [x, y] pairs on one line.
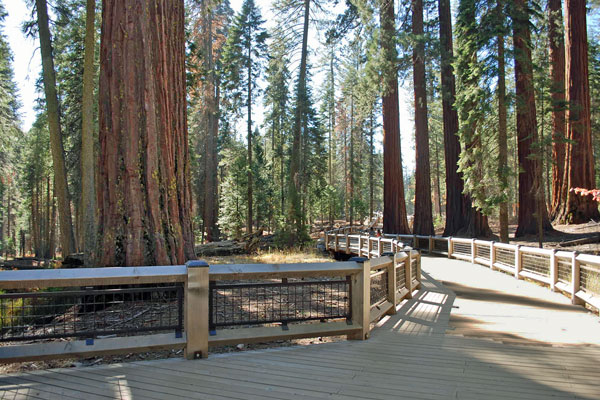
[[575, 275]]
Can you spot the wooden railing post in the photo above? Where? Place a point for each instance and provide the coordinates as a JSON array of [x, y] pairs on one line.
[[408, 275], [370, 247], [575, 279], [337, 242], [361, 301], [347, 244], [379, 246], [492, 255], [553, 271], [196, 310], [360, 245], [518, 261], [473, 251], [430, 245], [450, 247], [326, 240], [391, 284]]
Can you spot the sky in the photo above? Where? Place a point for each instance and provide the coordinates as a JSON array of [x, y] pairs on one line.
[[27, 59]]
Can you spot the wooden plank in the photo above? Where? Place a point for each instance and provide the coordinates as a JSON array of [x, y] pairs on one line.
[[91, 277], [380, 310], [295, 331], [75, 348], [536, 277], [588, 298], [381, 262], [272, 271]]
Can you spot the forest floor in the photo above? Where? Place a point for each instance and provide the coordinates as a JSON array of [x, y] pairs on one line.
[[562, 233]]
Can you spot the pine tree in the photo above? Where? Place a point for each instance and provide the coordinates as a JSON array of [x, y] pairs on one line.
[[243, 58]]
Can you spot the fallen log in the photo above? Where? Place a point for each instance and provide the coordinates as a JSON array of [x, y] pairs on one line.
[[576, 242]]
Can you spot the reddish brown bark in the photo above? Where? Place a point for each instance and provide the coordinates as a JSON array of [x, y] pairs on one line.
[[394, 207], [423, 224], [579, 158], [144, 196], [531, 193], [559, 125]]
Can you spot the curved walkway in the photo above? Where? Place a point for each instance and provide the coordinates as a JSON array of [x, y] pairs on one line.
[[469, 333]]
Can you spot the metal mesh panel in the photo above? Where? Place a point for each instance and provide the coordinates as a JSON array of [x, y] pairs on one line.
[[440, 246], [90, 313], [400, 277], [379, 286], [564, 269], [462, 248], [413, 268], [505, 256], [589, 279], [536, 263], [269, 302], [423, 243], [386, 247], [482, 251]]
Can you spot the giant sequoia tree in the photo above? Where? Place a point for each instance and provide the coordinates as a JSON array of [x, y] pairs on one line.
[[423, 224], [579, 158], [394, 207], [144, 195], [532, 208]]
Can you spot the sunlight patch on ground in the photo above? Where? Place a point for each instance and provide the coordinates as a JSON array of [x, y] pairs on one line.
[[272, 257]]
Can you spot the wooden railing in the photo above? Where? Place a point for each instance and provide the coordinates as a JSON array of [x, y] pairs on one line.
[[575, 275], [254, 294]]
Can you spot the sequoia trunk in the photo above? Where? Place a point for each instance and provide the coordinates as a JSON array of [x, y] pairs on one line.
[[579, 158], [394, 207], [144, 196]]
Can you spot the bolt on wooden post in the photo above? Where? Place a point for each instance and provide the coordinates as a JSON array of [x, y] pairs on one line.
[[196, 310]]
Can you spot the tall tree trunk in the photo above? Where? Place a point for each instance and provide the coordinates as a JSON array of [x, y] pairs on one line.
[[209, 212], [56, 145], [351, 157], [88, 160], [503, 169], [530, 180], [579, 158], [456, 202], [249, 220], [144, 195], [559, 124], [295, 212], [371, 166], [437, 193], [423, 223], [394, 207], [48, 221], [331, 128]]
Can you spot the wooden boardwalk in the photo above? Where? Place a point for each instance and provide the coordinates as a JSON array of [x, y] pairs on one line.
[[469, 333]]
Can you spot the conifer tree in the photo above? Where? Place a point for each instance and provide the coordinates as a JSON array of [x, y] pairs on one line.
[[243, 57]]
